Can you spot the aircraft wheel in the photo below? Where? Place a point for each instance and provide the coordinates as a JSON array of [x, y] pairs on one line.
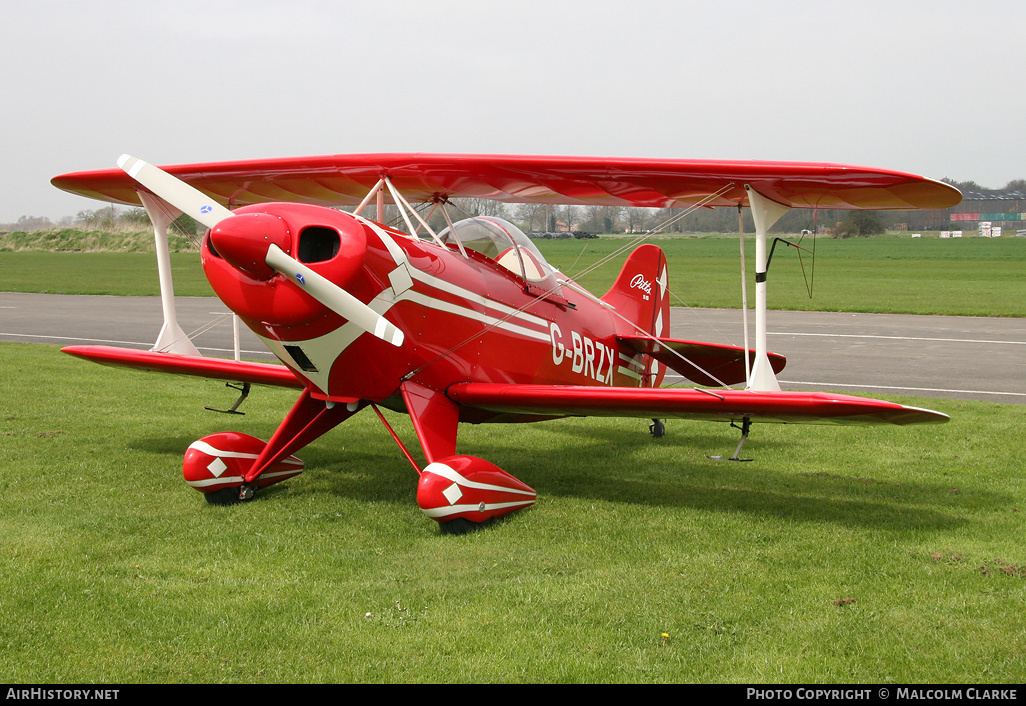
[[224, 496], [657, 429], [461, 525]]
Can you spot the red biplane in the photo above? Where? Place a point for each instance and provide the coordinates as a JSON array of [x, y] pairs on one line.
[[469, 324]]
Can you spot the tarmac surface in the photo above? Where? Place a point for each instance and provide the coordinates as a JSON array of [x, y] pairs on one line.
[[952, 357]]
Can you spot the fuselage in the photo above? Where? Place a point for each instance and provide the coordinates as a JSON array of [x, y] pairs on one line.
[[465, 316]]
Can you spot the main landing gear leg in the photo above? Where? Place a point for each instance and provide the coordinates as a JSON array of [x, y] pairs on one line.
[[461, 493], [746, 425], [306, 421], [229, 467]]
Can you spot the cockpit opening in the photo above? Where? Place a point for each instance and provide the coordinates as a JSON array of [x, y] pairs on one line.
[[501, 241]]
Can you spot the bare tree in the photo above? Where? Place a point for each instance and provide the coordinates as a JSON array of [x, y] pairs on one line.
[[569, 215], [528, 213], [637, 219]]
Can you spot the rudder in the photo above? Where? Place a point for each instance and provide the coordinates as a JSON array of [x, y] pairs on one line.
[[641, 295]]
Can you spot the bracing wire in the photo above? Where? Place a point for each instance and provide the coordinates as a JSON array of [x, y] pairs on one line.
[[629, 246]]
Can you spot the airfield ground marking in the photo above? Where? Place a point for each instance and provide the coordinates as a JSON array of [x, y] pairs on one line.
[[124, 343], [894, 387], [897, 338]]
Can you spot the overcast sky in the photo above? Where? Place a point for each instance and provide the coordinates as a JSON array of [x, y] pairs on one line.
[[932, 88]]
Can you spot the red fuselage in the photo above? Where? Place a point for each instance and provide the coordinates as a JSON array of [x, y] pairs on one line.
[[466, 318]]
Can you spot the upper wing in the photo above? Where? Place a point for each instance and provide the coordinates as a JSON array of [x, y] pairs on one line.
[[216, 368], [666, 402], [337, 180], [702, 363]]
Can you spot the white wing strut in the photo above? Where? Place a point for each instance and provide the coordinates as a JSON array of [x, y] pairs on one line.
[[765, 212], [171, 339]]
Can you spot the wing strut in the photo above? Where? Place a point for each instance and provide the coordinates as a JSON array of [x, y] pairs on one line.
[[171, 339], [744, 293], [765, 213]]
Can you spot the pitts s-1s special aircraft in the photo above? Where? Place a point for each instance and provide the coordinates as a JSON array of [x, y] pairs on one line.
[[469, 324]]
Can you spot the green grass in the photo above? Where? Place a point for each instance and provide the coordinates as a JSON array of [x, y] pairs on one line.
[[968, 276], [893, 274], [120, 239], [837, 555], [127, 274]]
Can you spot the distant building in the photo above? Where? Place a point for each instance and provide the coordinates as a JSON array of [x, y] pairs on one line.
[[1000, 205]]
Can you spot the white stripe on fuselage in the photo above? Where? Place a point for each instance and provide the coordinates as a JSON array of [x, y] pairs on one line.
[[324, 350], [453, 308], [399, 256]]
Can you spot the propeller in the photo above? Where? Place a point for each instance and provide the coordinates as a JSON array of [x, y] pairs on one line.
[[334, 297], [185, 198], [201, 207]]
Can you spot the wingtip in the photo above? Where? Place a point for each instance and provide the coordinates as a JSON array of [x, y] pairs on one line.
[[920, 415]]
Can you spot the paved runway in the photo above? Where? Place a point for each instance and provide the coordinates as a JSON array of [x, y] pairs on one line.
[[950, 357], [953, 357]]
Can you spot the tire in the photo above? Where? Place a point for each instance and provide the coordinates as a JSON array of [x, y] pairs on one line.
[[461, 525], [224, 496]]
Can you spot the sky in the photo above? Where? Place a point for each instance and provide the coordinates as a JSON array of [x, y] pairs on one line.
[[931, 88]]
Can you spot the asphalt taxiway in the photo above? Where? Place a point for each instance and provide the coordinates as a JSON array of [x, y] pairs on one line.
[[951, 357]]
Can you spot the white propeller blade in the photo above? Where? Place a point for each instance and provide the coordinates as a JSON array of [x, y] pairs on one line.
[[334, 297], [175, 191]]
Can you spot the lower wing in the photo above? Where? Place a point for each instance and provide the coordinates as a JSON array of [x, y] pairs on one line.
[[667, 402], [216, 368]]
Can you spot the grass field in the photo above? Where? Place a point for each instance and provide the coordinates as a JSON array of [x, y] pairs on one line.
[[968, 276], [837, 555], [127, 274]]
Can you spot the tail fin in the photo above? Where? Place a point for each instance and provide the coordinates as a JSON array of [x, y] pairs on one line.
[[641, 295]]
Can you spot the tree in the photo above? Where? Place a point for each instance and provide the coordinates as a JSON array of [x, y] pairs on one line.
[[569, 215], [636, 218], [186, 224], [479, 207], [964, 186], [101, 218], [31, 223], [527, 213], [87, 218], [135, 217], [860, 223], [600, 219]]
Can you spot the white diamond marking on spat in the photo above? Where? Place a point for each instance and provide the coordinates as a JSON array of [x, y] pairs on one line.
[[452, 493], [217, 467]]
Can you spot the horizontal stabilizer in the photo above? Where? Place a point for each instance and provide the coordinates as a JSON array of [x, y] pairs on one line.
[[667, 402], [701, 363], [215, 368]]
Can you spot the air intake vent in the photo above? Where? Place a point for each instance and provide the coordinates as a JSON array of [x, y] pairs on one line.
[[304, 363], [318, 243]]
